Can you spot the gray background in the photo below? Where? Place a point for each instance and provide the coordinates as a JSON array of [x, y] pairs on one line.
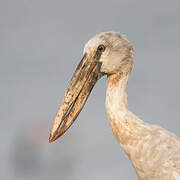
[[41, 43]]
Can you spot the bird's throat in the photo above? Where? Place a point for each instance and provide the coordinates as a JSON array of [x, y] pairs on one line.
[[116, 101]]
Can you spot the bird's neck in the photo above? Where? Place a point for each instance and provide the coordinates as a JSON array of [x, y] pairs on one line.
[[125, 125], [116, 101]]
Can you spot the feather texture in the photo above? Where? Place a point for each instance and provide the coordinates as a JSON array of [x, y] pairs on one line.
[[154, 151]]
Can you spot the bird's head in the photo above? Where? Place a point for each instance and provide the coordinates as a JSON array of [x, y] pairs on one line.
[[106, 53], [111, 49]]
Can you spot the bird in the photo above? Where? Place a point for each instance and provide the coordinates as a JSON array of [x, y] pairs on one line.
[[153, 151]]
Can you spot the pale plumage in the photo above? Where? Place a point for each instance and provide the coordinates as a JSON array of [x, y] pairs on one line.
[[154, 151]]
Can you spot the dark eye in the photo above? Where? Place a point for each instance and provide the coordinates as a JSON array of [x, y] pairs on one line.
[[101, 48]]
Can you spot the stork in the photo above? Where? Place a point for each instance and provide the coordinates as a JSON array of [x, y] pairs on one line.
[[153, 151]]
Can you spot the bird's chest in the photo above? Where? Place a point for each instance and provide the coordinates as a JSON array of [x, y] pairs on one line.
[[148, 158]]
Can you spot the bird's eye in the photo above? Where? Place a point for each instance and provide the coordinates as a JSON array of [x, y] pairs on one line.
[[101, 48]]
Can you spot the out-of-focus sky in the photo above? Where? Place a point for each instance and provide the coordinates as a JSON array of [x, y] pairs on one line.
[[41, 43]]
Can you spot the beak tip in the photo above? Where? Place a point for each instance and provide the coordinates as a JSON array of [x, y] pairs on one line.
[[51, 139]]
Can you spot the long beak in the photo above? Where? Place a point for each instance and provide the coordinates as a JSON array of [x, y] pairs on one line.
[[82, 82]]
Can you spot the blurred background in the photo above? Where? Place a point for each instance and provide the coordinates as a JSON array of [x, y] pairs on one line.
[[41, 43]]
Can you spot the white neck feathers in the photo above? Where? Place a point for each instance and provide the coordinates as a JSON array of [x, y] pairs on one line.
[[125, 125], [116, 100]]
